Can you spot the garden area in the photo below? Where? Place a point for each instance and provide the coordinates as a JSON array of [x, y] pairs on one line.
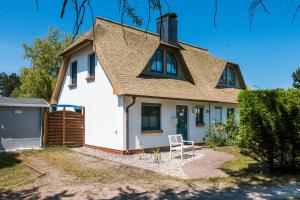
[[67, 176], [268, 130]]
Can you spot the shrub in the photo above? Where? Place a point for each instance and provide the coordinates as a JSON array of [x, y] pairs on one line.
[[270, 125], [223, 134]]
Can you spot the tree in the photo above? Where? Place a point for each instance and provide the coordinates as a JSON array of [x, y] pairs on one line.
[[127, 9], [296, 78], [8, 83], [38, 80]]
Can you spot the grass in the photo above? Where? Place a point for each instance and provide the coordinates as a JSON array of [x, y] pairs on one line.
[[242, 169], [104, 171], [13, 170], [245, 170], [241, 163]]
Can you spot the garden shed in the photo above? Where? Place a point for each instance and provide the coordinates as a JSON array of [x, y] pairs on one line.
[[21, 123]]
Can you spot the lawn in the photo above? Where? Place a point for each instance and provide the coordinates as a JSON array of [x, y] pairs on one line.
[[96, 170], [69, 173], [13, 170]]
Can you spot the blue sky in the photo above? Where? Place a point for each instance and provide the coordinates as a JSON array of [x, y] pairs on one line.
[[267, 55]]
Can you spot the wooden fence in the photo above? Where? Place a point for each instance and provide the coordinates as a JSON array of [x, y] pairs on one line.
[[64, 128]]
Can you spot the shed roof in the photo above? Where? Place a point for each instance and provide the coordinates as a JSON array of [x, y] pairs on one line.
[[23, 102]]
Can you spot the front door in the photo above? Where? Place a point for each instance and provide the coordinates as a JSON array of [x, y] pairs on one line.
[[182, 120]]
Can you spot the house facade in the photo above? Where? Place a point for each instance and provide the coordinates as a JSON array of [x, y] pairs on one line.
[[138, 87]]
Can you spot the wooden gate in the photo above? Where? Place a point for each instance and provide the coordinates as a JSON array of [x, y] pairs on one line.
[[64, 128]]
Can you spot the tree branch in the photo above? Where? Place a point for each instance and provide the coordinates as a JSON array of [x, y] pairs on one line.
[[215, 13], [295, 14], [252, 9]]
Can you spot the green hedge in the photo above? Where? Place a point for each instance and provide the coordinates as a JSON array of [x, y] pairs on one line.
[[270, 126]]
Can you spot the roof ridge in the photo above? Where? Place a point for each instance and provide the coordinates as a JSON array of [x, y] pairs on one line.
[[151, 33]]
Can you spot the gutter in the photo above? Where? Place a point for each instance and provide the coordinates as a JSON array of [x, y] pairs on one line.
[[127, 122]]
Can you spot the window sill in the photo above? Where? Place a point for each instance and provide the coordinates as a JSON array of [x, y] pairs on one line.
[[200, 124], [152, 131], [90, 78], [72, 86]]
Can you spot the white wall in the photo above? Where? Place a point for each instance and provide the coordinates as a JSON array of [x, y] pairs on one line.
[[104, 110], [168, 111]]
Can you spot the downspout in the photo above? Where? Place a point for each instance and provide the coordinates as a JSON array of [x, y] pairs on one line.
[[127, 122]]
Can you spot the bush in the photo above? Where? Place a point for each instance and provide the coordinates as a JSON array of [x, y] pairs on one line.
[[270, 126], [223, 134]]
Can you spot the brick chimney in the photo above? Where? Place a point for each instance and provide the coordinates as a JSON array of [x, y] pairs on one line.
[[166, 28]]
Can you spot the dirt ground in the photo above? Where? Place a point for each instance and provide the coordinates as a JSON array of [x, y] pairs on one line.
[[70, 175]]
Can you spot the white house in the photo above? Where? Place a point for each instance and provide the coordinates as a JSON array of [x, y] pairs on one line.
[[138, 87]]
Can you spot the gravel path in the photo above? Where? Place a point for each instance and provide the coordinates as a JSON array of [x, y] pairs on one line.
[[204, 164]]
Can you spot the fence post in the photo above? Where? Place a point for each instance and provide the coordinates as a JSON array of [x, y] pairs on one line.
[[64, 126], [46, 112], [83, 126]]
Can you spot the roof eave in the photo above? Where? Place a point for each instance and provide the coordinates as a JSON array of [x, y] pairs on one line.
[[84, 43], [175, 98]]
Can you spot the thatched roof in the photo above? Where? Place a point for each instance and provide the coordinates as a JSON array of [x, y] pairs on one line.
[[124, 60]]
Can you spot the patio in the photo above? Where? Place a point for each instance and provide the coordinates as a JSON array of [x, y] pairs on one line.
[[204, 164]]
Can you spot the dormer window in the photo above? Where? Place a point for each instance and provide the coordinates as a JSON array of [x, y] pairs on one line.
[[156, 62], [232, 78], [224, 76], [228, 77], [171, 64]]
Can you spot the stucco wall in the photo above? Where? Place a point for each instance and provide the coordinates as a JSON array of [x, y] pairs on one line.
[[168, 111], [104, 110]]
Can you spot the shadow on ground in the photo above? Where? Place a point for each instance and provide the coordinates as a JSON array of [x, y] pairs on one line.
[[33, 193], [9, 160], [243, 192]]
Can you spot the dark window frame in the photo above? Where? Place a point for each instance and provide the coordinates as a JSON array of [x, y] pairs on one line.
[[146, 108], [73, 75], [224, 74], [227, 74], [173, 58], [232, 110], [155, 59], [230, 72], [92, 68], [199, 114]]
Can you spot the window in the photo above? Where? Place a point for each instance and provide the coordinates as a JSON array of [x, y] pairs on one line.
[[224, 76], [230, 113], [171, 64], [74, 73], [150, 117], [232, 79], [218, 114], [92, 64], [228, 76], [156, 62], [199, 115]]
